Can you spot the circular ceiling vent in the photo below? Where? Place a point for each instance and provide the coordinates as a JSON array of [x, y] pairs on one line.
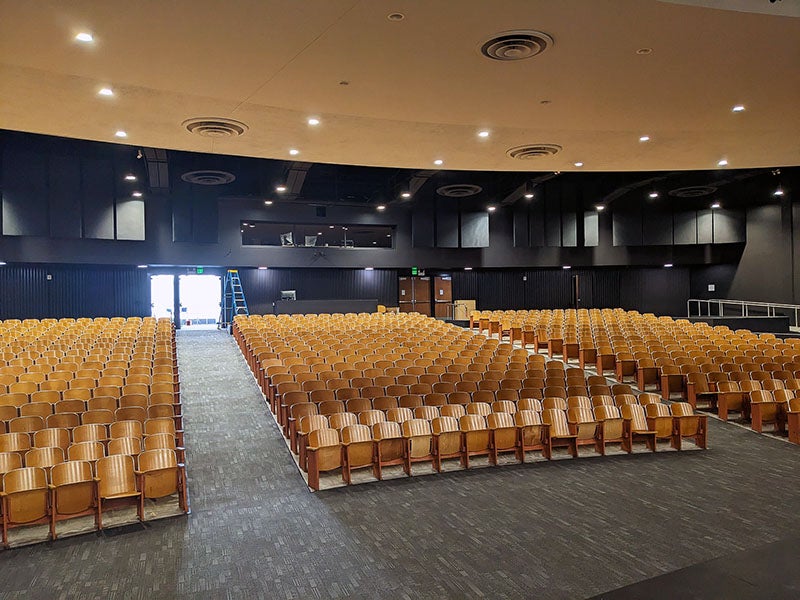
[[459, 190], [208, 177], [529, 151], [215, 127], [696, 191], [516, 45]]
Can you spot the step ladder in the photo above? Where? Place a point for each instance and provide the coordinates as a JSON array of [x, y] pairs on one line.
[[233, 300]]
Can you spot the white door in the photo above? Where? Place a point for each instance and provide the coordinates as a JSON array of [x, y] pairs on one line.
[[162, 295], [200, 299]]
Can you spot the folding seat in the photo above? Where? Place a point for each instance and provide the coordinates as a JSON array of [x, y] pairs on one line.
[[581, 401], [406, 379], [731, 398], [16, 399], [65, 420], [410, 401], [622, 399], [358, 404], [125, 445], [357, 450], [27, 424], [647, 373], [621, 388], [453, 410], [689, 425], [624, 366], [389, 446], [488, 385], [764, 409], [306, 425], [646, 398], [699, 387], [345, 394], [446, 440], [36, 409], [577, 390], [8, 462], [44, 457], [503, 436], [52, 438], [475, 437], [504, 406], [397, 390], [117, 484], [399, 415], [25, 499], [605, 360], [530, 404], [428, 412], [108, 403], [558, 431], [583, 424], [767, 384], [479, 408], [660, 420], [384, 403], [532, 433], [23, 387], [672, 381], [793, 420], [165, 425], [443, 387], [370, 417], [161, 475], [104, 417], [635, 427], [467, 386]]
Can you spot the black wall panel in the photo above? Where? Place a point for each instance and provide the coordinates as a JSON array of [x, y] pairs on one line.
[[552, 219], [536, 224], [520, 227], [422, 221], [705, 226], [65, 196], [72, 292], [98, 198], [446, 226], [729, 226], [263, 287], [657, 228], [684, 226], [181, 218], [205, 216], [475, 229], [25, 177], [627, 227], [660, 291]]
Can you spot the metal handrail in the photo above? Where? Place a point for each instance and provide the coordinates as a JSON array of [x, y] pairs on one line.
[[743, 307]]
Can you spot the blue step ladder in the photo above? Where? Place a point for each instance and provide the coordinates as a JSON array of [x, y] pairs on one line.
[[233, 300]]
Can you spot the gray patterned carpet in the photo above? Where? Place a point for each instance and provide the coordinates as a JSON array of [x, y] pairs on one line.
[[561, 530]]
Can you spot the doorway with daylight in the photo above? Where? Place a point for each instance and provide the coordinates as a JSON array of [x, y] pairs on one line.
[[199, 298]]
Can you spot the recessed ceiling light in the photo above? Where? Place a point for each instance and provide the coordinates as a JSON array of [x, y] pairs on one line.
[[438, 161], [330, 226], [644, 138], [600, 207], [566, 267], [405, 195], [369, 268], [738, 108], [130, 177], [252, 225], [529, 195], [653, 194], [137, 266], [716, 205], [778, 192], [381, 207], [121, 134], [268, 202], [137, 194], [468, 268], [491, 208], [262, 268], [388, 235], [396, 16], [668, 266], [483, 134], [313, 121], [579, 164], [244, 224], [280, 188], [319, 233], [722, 163], [105, 92], [3, 264], [374, 242], [85, 37], [294, 152]]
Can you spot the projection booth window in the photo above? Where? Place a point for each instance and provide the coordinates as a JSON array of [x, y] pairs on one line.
[[294, 235]]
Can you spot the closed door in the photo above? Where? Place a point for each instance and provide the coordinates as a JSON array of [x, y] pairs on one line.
[[422, 295], [442, 296], [406, 291]]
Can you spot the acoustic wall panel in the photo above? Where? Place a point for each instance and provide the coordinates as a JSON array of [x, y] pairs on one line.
[[705, 226], [552, 222], [65, 196], [446, 226], [684, 227], [98, 198], [591, 229], [657, 228], [205, 216], [181, 218], [422, 231], [627, 228], [25, 206], [130, 220], [536, 224], [729, 226], [520, 227], [475, 230]]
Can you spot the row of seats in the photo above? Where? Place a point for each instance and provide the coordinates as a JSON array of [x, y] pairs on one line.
[[93, 417], [377, 440], [344, 376]]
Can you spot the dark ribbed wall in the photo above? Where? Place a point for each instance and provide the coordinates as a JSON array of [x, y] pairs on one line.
[[26, 292], [263, 287]]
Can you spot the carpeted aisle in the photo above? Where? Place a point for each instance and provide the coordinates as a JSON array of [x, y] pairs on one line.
[[561, 530]]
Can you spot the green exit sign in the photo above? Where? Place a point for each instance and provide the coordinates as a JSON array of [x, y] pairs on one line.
[[199, 270], [415, 270]]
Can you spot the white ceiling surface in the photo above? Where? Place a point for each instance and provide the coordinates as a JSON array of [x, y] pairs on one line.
[[418, 88]]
